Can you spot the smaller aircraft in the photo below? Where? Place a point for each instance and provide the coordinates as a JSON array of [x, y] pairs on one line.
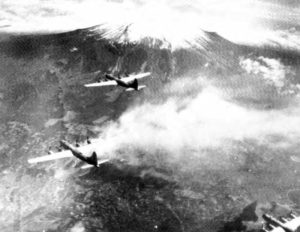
[[291, 223], [295, 159], [130, 82], [85, 153]]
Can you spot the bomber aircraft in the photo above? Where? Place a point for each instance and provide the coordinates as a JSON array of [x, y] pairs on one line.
[[85, 153], [129, 82], [291, 223]]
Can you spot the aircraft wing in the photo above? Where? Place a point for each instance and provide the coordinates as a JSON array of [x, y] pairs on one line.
[[99, 84], [138, 76], [54, 156], [86, 149]]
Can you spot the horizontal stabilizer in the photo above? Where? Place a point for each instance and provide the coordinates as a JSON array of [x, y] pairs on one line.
[[103, 161], [86, 166], [142, 87], [139, 88], [54, 156]]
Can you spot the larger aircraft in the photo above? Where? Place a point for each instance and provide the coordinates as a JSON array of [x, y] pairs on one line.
[[85, 153], [129, 82]]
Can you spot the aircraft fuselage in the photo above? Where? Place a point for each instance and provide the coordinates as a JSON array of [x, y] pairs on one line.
[[132, 84]]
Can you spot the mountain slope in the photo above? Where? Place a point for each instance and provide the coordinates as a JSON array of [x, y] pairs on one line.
[[42, 100]]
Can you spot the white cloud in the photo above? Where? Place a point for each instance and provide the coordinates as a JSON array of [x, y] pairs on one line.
[[182, 125], [78, 227], [241, 21], [272, 71]]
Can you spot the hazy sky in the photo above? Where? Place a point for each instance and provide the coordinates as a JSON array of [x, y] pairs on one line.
[[247, 21]]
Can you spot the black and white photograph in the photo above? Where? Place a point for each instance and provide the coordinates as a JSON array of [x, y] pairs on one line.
[[149, 115]]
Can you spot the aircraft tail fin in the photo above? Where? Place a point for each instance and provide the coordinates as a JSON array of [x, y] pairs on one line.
[[93, 159], [135, 84]]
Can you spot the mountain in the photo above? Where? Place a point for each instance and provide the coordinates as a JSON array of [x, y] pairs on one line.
[[43, 100], [51, 64]]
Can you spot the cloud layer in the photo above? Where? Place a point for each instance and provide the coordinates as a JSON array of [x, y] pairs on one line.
[[205, 117], [240, 21]]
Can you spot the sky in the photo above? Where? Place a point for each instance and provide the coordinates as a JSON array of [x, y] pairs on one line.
[[246, 21]]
